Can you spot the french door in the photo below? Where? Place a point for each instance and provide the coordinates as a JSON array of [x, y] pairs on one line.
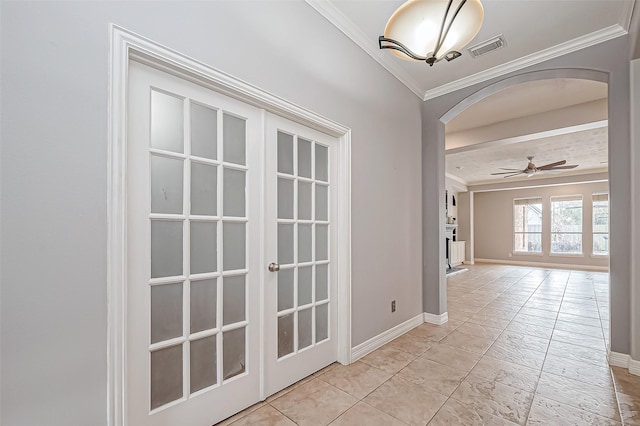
[[301, 238], [217, 190]]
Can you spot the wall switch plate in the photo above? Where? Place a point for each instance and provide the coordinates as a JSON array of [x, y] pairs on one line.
[[393, 306]]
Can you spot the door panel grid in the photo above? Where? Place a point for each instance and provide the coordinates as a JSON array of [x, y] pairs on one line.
[[211, 200], [302, 221], [198, 218]]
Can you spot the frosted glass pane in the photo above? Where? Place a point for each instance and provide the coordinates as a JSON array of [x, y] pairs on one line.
[[304, 201], [285, 243], [166, 185], [305, 336], [321, 282], [234, 246], [203, 247], [285, 289], [233, 353], [234, 131], [234, 192], [322, 242], [285, 153], [166, 375], [166, 248], [167, 122], [204, 131], [322, 322], [285, 335], [203, 305], [304, 243], [285, 198], [203, 363], [304, 285], [204, 189], [233, 306], [322, 202], [304, 158], [166, 312], [322, 163]]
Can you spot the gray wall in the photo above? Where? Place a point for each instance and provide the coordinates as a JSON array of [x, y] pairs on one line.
[[54, 168], [612, 58], [493, 215], [635, 196]]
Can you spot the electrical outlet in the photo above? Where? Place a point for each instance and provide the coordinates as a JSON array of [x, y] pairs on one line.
[[393, 306]]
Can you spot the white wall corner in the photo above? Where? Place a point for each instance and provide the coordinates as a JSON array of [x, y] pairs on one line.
[[436, 319], [385, 337]]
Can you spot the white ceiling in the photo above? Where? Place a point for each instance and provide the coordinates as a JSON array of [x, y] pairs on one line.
[[527, 99], [535, 31], [585, 145], [587, 149]]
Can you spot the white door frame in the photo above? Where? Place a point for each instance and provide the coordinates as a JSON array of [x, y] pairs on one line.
[[125, 45]]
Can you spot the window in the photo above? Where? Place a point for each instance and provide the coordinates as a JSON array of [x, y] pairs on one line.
[[566, 224], [527, 225], [600, 224]]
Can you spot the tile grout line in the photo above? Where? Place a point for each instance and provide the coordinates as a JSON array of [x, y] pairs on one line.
[[484, 353], [535, 391]]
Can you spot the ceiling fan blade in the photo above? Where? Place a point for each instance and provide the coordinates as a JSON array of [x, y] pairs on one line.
[[504, 168], [552, 165], [573, 166], [508, 173], [514, 174]]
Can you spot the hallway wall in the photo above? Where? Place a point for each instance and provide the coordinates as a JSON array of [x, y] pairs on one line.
[[55, 62]]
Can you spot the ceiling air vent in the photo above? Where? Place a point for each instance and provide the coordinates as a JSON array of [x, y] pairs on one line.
[[487, 46]]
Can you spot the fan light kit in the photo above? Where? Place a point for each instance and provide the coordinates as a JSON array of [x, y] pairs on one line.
[[432, 30], [531, 169]]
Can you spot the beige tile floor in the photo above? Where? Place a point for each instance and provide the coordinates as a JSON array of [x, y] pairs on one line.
[[522, 346]]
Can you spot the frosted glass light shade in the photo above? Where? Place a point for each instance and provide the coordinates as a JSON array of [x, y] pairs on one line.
[[417, 24]]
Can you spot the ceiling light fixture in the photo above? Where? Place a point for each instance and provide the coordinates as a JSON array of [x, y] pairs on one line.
[[432, 30]]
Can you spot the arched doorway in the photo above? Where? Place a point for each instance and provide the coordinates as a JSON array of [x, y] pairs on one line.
[[436, 113]]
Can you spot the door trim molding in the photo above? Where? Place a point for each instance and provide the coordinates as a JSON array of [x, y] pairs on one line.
[[126, 45]]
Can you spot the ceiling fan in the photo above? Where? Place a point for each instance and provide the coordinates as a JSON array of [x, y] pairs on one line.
[[531, 168]]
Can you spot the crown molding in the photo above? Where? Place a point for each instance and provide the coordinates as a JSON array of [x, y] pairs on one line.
[[344, 24], [627, 14], [457, 179], [526, 61], [587, 176]]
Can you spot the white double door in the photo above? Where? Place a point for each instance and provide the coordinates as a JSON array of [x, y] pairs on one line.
[[217, 190]]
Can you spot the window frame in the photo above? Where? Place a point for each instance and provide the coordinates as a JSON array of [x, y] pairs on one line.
[[560, 198], [593, 217], [525, 202]]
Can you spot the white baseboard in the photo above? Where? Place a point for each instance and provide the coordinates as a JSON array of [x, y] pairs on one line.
[[624, 361], [436, 319], [385, 337], [544, 264], [619, 360], [469, 262]]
